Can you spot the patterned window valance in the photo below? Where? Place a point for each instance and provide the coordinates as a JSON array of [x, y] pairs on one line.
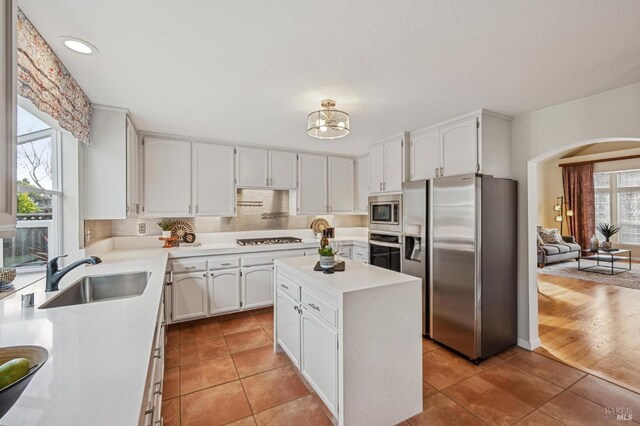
[[45, 81]]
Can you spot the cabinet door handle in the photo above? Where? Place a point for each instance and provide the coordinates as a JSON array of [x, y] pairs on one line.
[[380, 186], [127, 208], [189, 208], [286, 287], [441, 171], [314, 307], [137, 208], [267, 181]]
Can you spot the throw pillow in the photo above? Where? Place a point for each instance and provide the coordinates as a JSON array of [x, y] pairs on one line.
[[550, 236]]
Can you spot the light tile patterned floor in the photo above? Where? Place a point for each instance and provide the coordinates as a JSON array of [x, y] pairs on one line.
[[224, 371]]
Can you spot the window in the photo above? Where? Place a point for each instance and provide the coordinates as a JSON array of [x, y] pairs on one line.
[[617, 201], [37, 235]]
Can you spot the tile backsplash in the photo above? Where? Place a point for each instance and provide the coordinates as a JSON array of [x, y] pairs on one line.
[[256, 210]]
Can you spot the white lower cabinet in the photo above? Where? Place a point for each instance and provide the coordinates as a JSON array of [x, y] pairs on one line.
[[224, 291], [309, 337], [319, 357], [152, 408], [189, 296], [257, 286], [288, 313]]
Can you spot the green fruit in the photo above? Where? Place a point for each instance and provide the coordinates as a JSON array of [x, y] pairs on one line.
[[14, 370]]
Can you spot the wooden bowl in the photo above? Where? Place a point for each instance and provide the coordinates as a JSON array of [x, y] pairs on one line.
[[36, 355]]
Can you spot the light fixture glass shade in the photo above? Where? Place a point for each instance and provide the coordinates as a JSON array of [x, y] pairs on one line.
[[328, 123], [559, 218], [557, 207], [569, 212]]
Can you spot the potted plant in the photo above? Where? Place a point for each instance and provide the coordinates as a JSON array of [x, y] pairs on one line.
[[165, 225], [607, 232], [327, 257]]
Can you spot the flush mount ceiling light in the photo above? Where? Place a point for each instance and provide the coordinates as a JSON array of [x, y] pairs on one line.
[[328, 123], [79, 46]]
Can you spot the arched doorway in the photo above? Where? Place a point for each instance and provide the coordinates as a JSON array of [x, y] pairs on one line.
[[535, 184]]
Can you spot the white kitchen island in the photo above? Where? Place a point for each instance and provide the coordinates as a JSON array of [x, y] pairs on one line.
[[356, 336]]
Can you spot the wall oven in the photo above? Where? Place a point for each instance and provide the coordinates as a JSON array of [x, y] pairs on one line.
[[385, 251], [385, 213]]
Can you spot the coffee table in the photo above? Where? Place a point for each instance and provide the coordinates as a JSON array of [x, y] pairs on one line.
[[605, 261]]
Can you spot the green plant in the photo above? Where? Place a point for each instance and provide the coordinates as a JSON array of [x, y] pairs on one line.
[[165, 225], [26, 204], [607, 230], [326, 251]]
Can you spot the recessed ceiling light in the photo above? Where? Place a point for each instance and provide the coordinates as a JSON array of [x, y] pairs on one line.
[[79, 46]]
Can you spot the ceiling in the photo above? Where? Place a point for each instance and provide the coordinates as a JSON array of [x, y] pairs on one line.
[[250, 71]]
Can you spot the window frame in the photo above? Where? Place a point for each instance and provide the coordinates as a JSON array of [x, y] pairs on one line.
[[54, 225], [613, 190]]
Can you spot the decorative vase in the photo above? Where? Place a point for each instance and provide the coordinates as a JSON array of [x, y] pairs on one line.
[[166, 234], [327, 262], [606, 245], [594, 243]]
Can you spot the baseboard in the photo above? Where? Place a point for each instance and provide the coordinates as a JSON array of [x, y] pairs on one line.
[[529, 344]]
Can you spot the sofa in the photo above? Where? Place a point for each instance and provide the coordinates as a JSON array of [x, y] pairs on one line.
[[556, 252]]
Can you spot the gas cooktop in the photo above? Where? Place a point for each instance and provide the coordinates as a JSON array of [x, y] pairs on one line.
[[263, 241]]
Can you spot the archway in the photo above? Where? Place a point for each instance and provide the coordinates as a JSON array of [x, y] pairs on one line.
[[534, 177]]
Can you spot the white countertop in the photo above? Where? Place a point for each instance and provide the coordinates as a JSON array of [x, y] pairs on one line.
[[357, 276], [98, 353], [233, 247]]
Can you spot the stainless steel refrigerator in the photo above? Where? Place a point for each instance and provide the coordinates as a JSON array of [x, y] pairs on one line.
[[415, 256], [472, 274]]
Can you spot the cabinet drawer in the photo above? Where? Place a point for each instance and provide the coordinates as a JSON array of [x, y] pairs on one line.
[[223, 263], [321, 308], [188, 265], [289, 287]]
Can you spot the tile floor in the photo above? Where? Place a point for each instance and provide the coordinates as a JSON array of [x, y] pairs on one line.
[[223, 371]]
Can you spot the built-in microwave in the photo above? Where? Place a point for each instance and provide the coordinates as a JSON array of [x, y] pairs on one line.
[[384, 212]]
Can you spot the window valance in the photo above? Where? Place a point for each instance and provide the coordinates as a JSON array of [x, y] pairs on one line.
[[45, 81]]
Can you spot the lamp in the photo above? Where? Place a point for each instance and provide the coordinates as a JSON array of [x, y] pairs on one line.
[[561, 210], [328, 123]]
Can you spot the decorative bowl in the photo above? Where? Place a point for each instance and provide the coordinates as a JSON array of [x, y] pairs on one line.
[[36, 355], [7, 275]]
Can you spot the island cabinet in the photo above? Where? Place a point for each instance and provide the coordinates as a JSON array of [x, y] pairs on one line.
[[341, 330]]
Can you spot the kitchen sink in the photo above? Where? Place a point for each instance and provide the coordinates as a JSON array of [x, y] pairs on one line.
[[98, 288]]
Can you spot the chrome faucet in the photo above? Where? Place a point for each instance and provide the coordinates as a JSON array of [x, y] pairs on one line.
[[54, 275]]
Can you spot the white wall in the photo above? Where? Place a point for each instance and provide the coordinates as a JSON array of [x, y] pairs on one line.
[[612, 115]]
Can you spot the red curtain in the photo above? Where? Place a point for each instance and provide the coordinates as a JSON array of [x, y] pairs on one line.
[[579, 194]]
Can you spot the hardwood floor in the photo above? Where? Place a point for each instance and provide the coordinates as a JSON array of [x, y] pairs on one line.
[[593, 327]]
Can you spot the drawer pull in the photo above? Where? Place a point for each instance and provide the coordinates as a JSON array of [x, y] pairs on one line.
[[314, 307], [156, 353], [226, 264], [190, 268], [157, 391], [286, 287]]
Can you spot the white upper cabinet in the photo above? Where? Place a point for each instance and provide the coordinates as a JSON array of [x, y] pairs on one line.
[[262, 168], [425, 155], [283, 169], [167, 178], [386, 166], [362, 166], [459, 147], [376, 168], [114, 152], [252, 167], [214, 193], [341, 185], [312, 184], [479, 142], [133, 171], [393, 166], [8, 199]]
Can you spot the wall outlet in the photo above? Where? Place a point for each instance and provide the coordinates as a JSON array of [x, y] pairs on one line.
[[142, 228]]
